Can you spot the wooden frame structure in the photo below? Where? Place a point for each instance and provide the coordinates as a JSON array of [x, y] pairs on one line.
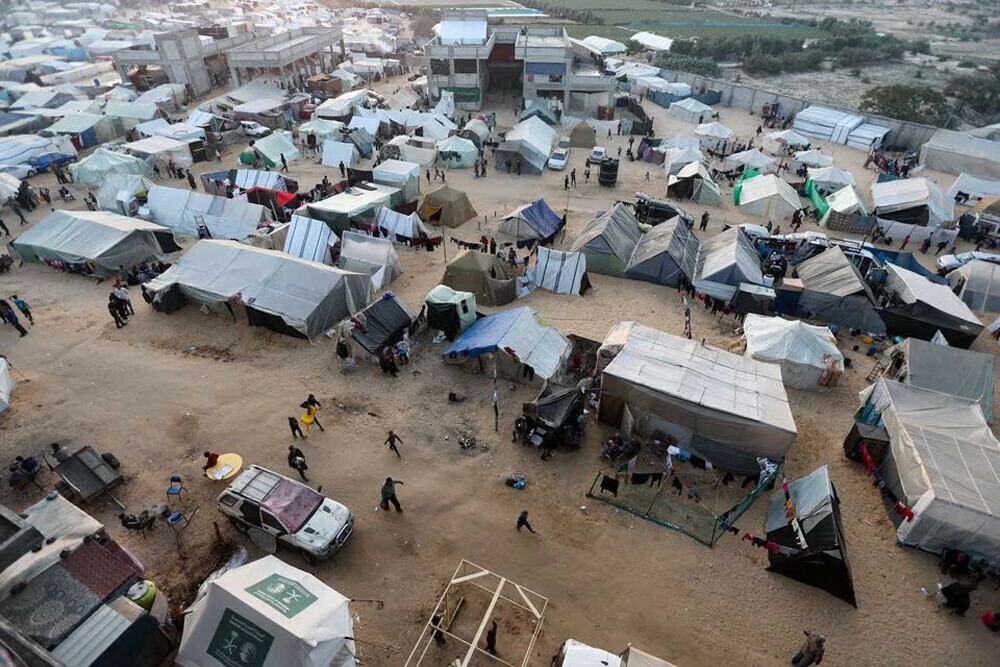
[[503, 594]]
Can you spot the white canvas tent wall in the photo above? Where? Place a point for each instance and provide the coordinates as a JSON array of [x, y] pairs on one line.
[[826, 124], [118, 192], [335, 152], [958, 152], [308, 297], [689, 110], [182, 210], [751, 159], [769, 198], [399, 225], [892, 198], [6, 385], [846, 201], [807, 354], [943, 462], [831, 178], [813, 157], [726, 408], [403, 175], [274, 613], [725, 261], [557, 271], [536, 139], [162, 151], [713, 135], [370, 255], [456, 153], [778, 143], [94, 169], [973, 188], [412, 150], [309, 239], [323, 129], [675, 158], [274, 145]]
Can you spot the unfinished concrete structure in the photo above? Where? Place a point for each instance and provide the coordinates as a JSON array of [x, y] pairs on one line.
[[470, 58], [289, 55]]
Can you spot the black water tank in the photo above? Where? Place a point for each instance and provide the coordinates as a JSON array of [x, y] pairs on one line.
[[608, 176]]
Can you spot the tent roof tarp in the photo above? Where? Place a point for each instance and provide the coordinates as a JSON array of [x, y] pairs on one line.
[[901, 194], [482, 274], [768, 197], [449, 206], [912, 288], [956, 152], [225, 218], [977, 284], [93, 169], [381, 323], [614, 234], [335, 152], [813, 157], [274, 145], [664, 254], [371, 255], [309, 239], [803, 351], [976, 187], [724, 262], [831, 272], [751, 159], [560, 272], [536, 220], [519, 333], [401, 225]]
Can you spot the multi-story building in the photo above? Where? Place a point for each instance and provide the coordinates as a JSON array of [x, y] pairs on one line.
[[471, 58]]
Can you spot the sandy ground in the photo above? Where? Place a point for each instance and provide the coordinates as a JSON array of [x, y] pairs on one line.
[[165, 388]]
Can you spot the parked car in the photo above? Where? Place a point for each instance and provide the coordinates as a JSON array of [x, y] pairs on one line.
[[47, 161], [564, 142], [560, 157], [949, 263], [252, 129], [19, 171], [293, 513], [598, 155]]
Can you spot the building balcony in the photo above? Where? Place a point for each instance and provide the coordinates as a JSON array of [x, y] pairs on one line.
[[460, 51]]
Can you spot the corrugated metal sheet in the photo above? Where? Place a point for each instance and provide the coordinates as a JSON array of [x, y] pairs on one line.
[[92, 638]]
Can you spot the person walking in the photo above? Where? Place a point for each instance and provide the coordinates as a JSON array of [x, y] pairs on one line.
[[427, 174], [297, 461], [343, 169], [812, 650], [566, 183], [17, 211], [115, 311], [389, 494], [284, 164], [190, 177], [703, 226], [45, 194], [906, 240], [122, 293], [586, 174], [491, 639], [23, 307], [940, 246], [572, 177], [391, 443], [522, 521], [293, 424], [309, 418], [493, 246]]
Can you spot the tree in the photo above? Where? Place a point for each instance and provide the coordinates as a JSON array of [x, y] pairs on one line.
[[632, 47], [980, 91], [916, 104]]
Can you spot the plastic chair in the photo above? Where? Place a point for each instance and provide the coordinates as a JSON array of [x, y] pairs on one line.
[[175, 488], [178, 522]]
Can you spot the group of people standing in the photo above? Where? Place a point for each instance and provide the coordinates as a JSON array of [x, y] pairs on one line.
[[8, 315], [120, 305]]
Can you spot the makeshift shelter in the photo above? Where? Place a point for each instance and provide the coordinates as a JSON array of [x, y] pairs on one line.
[[778, 143], [450, 311], [412, 149], [86, 129], [969, 189], [767, 197], [844, 201], [535, 221], [582, 135], [823, 563], [609, 240], [712, 135], [956, 152], [355, 207], [119, 193], [161, 151], [977, 283], [676, 158], [403, 175], [523, 338], [727, 409], [826, 124], [184, 210], [288, 294], [323, 129], [273, 146], [456, 153], [812, 158], [693, 182], [918, 308], [944, 369], [833, 291], [724, 262], [807, 354], [336, 153], [665, 254], [689, 110], [476, 131], [557, 271], [94, 169], [93, 242], [370, 255], [268, 614], [539, 108], [381, 323], [309, 239], [831, 179], [6, 385], [447, 206], [482, 274], [534, 145], [402, 228], [912, 201], [605, 46], [942, 463], [750, 159]]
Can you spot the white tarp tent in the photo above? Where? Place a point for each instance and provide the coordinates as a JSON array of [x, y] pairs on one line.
[[118, 192], [769, 198], [607, 47], [807, 354], [751, 159], [162, 151], [268, 614], [403, 175], [182, 211], [308, 297], [724, 262], [456, 153], [778, 143], [652, 42], [94, 169], [399, 225], [370, 255], [536, 138], [712, 134], [846, 201], [9, 185], [412, 149], [813, 157], [690, 110], [826, 124], [274, 145], [943, 463], [558, 271], [957, 152], [969, 188], [323, 129], [831, 178], [309, 239], [675, 158], [335, 152], [912, 201], [6, 385]]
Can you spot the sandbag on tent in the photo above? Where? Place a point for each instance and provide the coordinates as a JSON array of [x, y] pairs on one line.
[[823, 563], [370, 255], [93, 170], [119, 191], [689, 110], [724, 262], [521, 335], [609, 240], [447, 206], [557, 271], [582, 135], [483, 275], [6, 385], [381, 324], [450, 311], [287, 294], [665, 254], [309, 239], [535, 221], [94, 242], [184, 210], [272, 614], [456, 153], [337, 152], [807, 354]]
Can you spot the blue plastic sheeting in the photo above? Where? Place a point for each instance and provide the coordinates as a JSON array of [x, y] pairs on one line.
[[905, 260], [485, 334], [518, 333], [545, 68], [537, 215]]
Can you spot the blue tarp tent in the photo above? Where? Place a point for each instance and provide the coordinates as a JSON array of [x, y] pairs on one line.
[[521, 335], [534, 221], [905, 260]]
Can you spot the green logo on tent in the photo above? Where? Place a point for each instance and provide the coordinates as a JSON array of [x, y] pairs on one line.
[[283, 594], [239, 643]]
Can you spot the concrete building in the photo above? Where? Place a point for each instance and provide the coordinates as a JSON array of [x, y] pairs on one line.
[[288, 55], [471, 58]]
